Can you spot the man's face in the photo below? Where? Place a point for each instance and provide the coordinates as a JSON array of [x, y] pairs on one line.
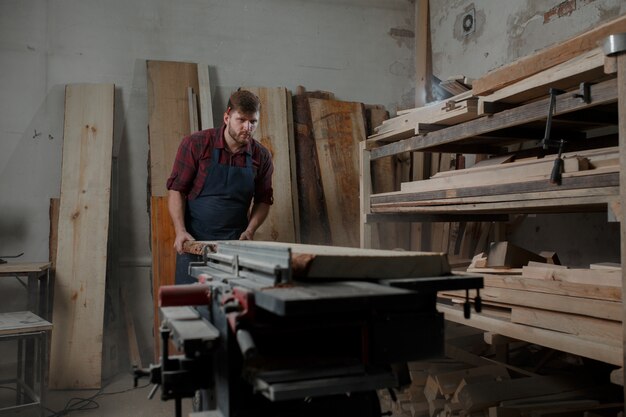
[[241, 126]]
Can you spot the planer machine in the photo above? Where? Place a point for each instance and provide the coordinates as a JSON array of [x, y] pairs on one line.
[[279, 330]]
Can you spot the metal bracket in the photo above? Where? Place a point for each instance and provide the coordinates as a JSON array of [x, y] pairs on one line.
[[584, 92], [450, 105]]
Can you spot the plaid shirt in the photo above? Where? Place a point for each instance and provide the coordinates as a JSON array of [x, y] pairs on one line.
[[194, 158]]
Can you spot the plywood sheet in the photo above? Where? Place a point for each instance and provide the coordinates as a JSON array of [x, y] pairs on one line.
[[338, 127], [274, 132], [76, 350]]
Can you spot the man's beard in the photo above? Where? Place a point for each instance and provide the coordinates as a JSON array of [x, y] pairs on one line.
[[239, 138]]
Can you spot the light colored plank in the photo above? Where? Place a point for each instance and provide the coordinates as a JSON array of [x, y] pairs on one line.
[[338, 128], [585, 67], [609, 278], [23, 268], [516, 282], [319, 261], [18, 322], [76, 351], [548, 338], [546, 58], [204, 93], [590, 328], [168, 116], [608, 310], [506, 254], [273, 132]]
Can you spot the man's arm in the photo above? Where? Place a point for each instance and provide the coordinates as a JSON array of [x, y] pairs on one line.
[[258, 214], [176, 206]]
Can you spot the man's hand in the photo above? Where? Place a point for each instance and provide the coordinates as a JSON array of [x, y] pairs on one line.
[[180, 239], [247, 235]]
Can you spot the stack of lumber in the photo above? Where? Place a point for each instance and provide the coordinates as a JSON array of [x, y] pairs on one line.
[[501, 184], [459, 108], [575, 310], [467, 381]]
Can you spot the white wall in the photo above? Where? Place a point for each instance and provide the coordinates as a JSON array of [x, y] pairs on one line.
[[361, 50]]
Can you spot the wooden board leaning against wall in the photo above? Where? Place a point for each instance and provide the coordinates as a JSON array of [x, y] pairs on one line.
[[76, 350]]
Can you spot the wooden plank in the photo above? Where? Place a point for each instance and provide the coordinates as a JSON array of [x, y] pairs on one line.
[[338, 127], [586, 180], [133, 346], [516, 282], [498, 174], [23, 267], [365, 186], [607, 278], [548, 338], [18, 322], [602, 191], [163, 258], [314, 226], [273, 133], [621, 212], [608, 310], [586, 67], [76, 349], [423, 54], [168, 116], [320, 261], [547, 205], [601, 93], [442, 113], [546, 58], [204, 93], [590, 328]]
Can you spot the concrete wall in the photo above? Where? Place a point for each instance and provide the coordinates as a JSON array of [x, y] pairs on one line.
[[506, 30], [362, 50]]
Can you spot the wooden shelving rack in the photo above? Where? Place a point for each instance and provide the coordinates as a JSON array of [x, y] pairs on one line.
[[590, 115]]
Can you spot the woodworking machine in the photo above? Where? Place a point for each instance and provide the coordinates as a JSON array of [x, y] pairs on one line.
[[264, 333]]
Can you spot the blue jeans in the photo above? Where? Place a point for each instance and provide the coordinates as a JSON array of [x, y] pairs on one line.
[[182, 268]]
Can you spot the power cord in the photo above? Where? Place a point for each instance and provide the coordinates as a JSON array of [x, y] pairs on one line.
[[89, 403]]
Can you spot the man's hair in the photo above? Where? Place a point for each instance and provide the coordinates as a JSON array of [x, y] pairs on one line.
[[244, 101]]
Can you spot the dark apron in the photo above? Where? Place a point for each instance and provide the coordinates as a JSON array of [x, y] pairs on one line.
[[220, 211]]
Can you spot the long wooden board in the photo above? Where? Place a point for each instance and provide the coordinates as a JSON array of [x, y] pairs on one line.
[[314, 227], [586, 67], [556, 340], [546, 58], [320, 261], [275, 133], [168, 116], [598, 330], [76, 350], [608, 310], [338, 127], [516, 282], [169, 121]]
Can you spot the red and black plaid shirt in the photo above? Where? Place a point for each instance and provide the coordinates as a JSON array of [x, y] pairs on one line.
[[194, 157]]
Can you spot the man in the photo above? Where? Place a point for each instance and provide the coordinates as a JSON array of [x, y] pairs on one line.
[[217, 174]]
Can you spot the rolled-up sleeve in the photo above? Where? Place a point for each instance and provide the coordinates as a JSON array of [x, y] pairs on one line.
[[185, 167]]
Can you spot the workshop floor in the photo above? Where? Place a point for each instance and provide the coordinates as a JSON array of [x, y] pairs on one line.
[[118, 398]]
